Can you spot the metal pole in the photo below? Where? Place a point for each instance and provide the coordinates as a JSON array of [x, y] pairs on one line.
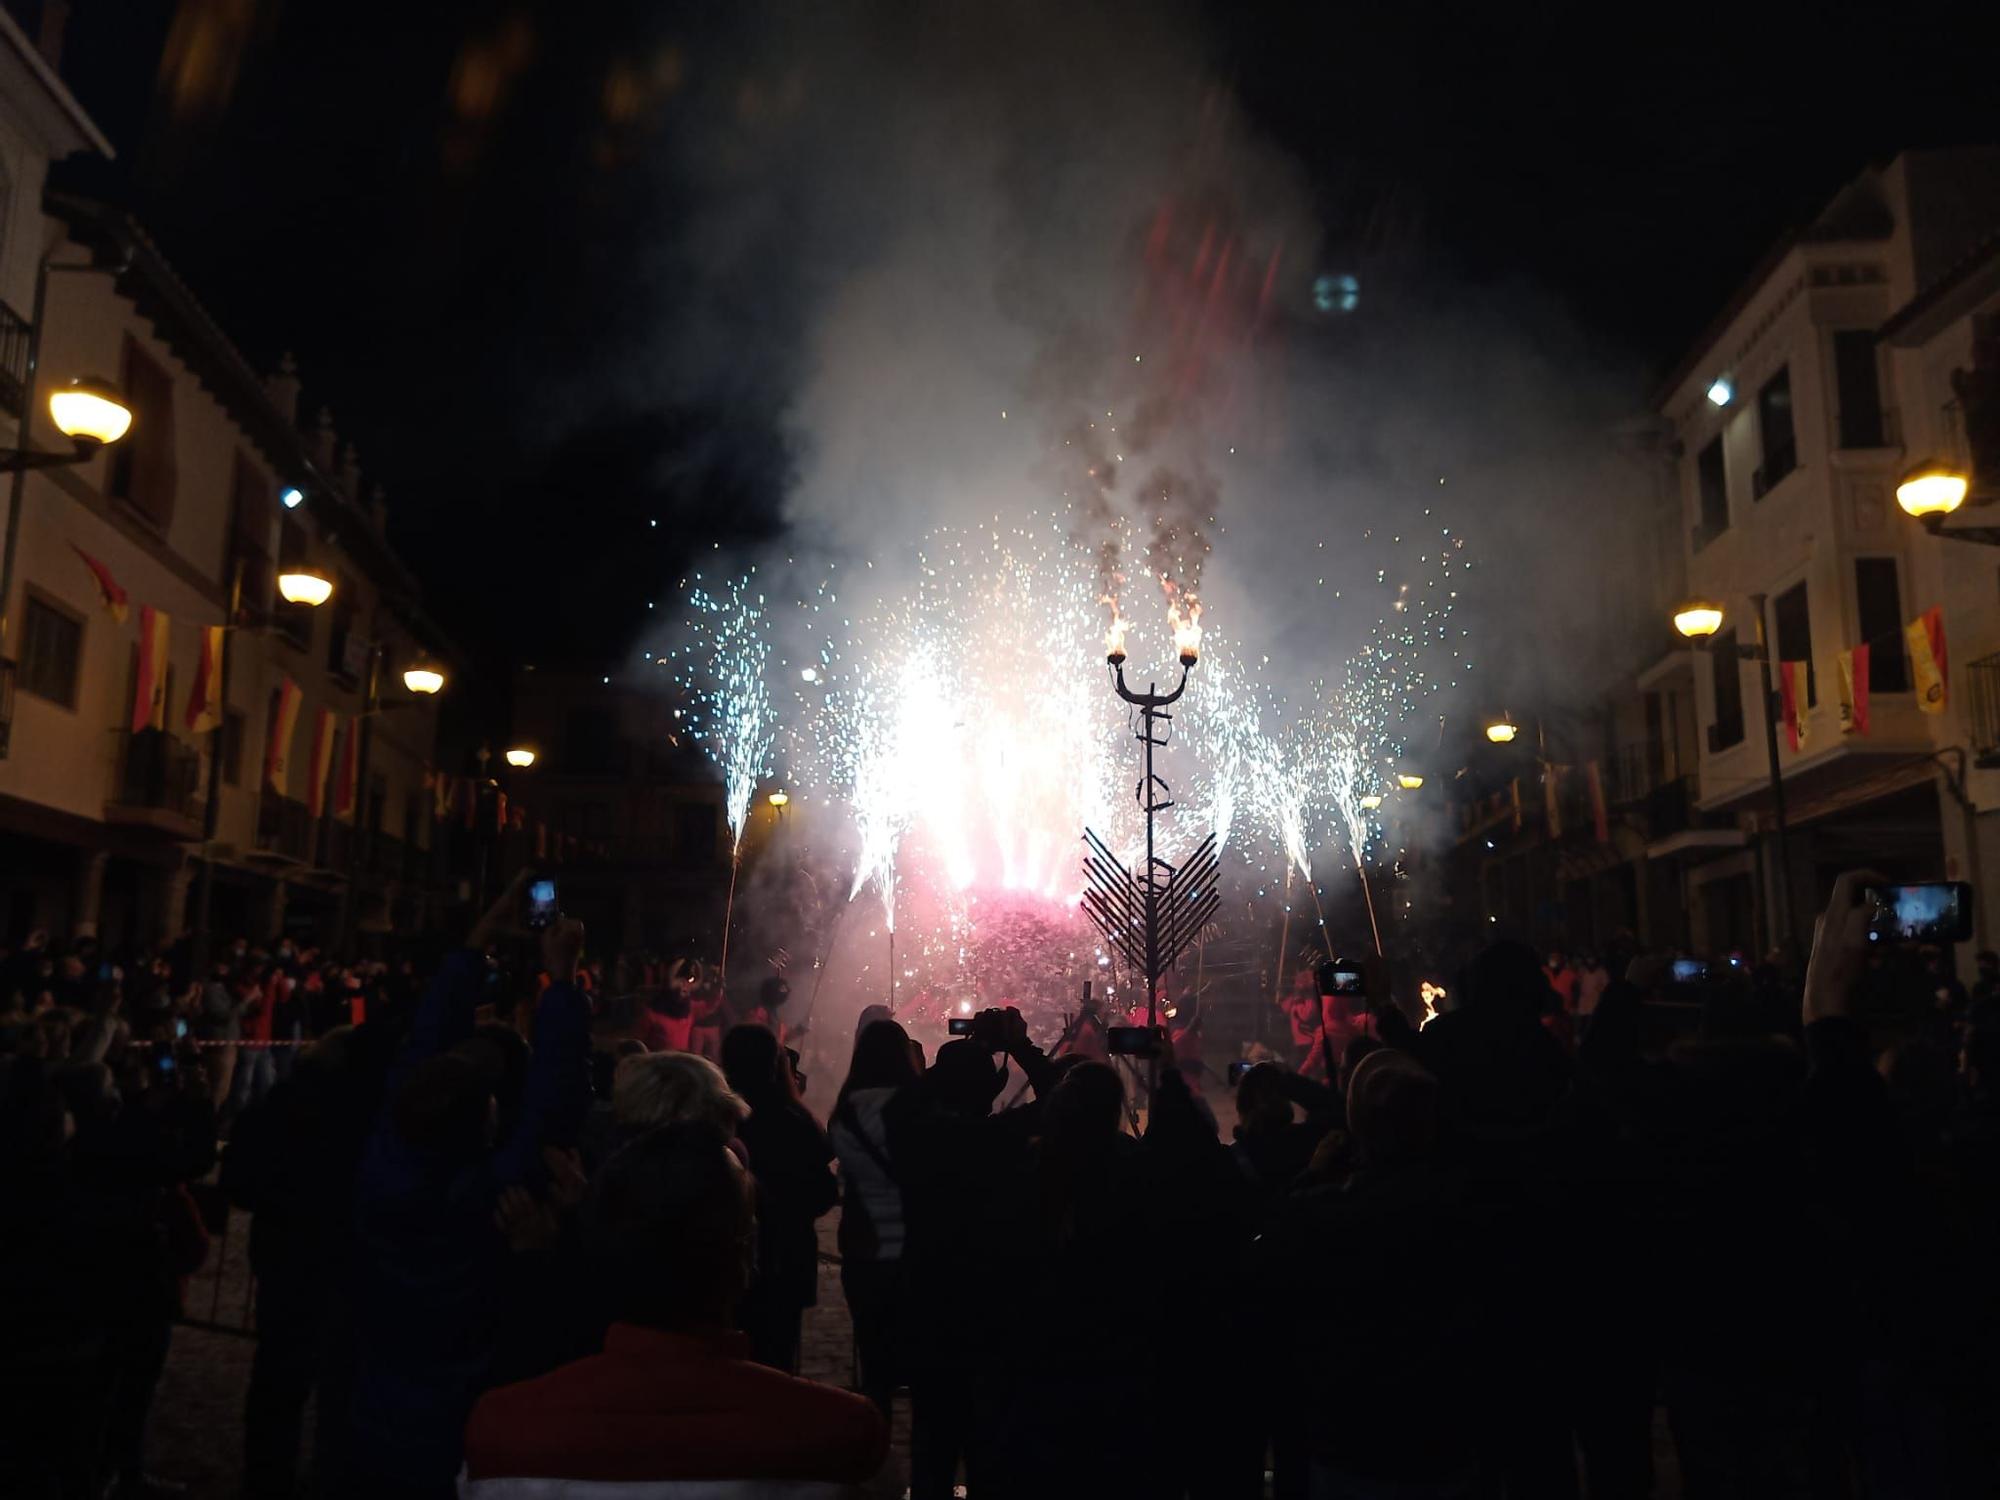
[[1783, 933], [211, 813]]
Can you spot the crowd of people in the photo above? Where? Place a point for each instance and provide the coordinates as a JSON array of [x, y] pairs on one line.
[[521, 1229]]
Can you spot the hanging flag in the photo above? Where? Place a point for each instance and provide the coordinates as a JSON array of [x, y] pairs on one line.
[[499, 812], [440, 796], [1514, 790], [319, 762], [149, 685], [1600, 822], [1552, 799], [1925, 635], [541, 840], [520, 815], [114, 597], [1792, 700], [278, 745], [468, 801], [344, 775], [1854, 690], [204, 710]]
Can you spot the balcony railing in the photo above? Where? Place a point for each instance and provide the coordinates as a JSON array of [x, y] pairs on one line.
[[158, 783], [1982, 682], [14, 333], [284, 829]]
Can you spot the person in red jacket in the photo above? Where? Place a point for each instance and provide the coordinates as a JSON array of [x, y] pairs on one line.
[[674, 1400]]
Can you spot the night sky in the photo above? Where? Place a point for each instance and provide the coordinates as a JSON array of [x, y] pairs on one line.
[[443, 209]]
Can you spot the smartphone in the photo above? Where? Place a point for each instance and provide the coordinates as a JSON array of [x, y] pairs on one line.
[[1339, 978], [180, 1028], [1690, 971], [1131, 1041], [163, 1060], [1238, 1068], [541, 903], [960, 1025], [1937, 911]]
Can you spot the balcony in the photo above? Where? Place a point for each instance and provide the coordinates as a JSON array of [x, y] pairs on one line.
[[157, 785], [284, 830], [14, 334], [1670, 807], [1982, 682]]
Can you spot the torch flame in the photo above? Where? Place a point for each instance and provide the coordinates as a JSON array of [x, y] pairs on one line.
[[1430, 994], [1114, 633], [1186, 628]]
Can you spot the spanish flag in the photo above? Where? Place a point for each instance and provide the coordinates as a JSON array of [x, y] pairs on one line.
[[1792, 698], [320, 761], [1927, 659], [149, 687], [204, 710], [278, 747], [114, 597], [343, 779], [1854, 690]]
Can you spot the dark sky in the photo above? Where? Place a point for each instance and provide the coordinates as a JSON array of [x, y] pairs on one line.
[[439, 207]]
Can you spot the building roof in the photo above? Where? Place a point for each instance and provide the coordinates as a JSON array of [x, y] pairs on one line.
[[115, 239], [1973, 277], [64, 122]]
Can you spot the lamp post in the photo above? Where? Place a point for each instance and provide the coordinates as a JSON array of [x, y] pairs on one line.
[[1699, 620], [1933, 490], [204, 895], [88, 417], [420, 677]]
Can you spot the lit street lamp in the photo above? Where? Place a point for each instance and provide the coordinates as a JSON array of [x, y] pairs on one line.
[[1933, 490], [1502, 731], [1409, 781], [780, 799], [520, 757], [423, 676], [305, 586], [1699, 620]]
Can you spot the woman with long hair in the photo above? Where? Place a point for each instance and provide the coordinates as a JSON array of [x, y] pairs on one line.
[[871, 1213], [790, 1160]]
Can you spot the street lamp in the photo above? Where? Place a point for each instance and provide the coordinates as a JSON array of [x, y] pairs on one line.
[[780, 799], [1409, 781], [423, 676], [1932, 489], [520, 757], [1698, 620], [1502, 730], [89, 412], [305, 586], [1371, 800]]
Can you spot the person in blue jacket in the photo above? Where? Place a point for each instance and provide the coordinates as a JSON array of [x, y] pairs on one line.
[[432, 1263]]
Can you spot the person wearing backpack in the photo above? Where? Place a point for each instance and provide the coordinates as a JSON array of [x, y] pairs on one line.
[[871, 1203]]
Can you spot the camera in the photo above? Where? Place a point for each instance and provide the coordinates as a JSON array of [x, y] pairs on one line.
[[542, 909], [1132, 1041], [1938, 911], [1339, 976], [1690, 971], [961, 1026], [1238, 1068]]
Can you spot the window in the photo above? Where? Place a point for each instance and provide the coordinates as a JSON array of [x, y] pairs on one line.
[[232, 748], [1878, 604], [341, 639], [51, 649], [1859, 387], [1794, 634], [1728, 672], [1712, 481], [250, 535], [1774, 429], [142, 463]]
